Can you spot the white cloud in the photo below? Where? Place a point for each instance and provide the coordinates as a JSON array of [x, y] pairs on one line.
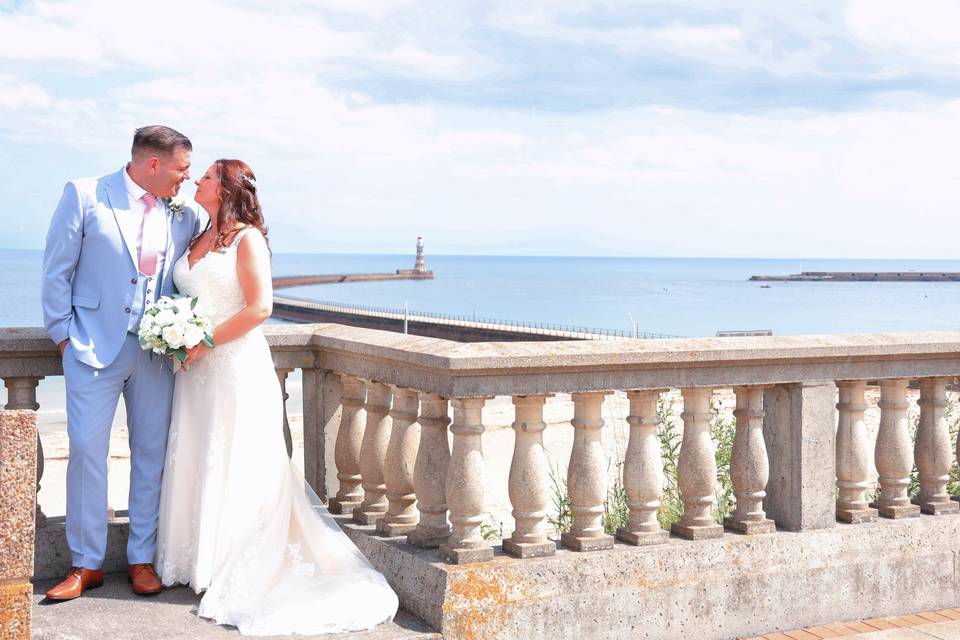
[[354, 169], [924, 32]]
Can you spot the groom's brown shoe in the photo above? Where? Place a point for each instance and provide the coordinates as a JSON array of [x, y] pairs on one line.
[[144, 579], [76, 582]]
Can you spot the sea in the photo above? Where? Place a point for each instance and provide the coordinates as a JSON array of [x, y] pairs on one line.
[[688, 297], [678, 296]]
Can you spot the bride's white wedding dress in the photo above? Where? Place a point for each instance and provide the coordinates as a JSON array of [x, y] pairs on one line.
[[237, 519]]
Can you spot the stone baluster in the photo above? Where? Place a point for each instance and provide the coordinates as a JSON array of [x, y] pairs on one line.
[[643, 471], [347, 449], [465, 485], [402, 515], [373, 451], [430, 474], [932, 454], [287, 438], [893, 453], [697, 469], [587, 476], [749, 468], [529, 481], [22, 394], [853, 455]]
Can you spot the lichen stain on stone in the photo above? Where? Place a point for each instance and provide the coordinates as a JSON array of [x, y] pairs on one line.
[[475, 607]]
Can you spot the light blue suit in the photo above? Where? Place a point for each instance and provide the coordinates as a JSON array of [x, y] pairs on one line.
[[91, 292]]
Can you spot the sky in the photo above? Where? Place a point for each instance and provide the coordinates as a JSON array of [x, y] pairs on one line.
[[619, 128]]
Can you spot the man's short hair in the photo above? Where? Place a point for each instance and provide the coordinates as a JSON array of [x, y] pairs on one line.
[[158, 139]]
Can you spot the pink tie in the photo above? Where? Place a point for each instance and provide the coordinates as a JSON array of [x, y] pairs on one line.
[[149, 245]]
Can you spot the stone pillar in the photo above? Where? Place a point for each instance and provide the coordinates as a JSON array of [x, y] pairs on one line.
[[465, 486], [287, 438], [893, 454], [643, 471], [529, 481], [22, 394], [373, 451], [853, 455], [18, 481], [799, 429], [349, 442], [587, 476], [402, 513], [321, 419], [430, 474], [697, 469], [749, 468], [933, 455]]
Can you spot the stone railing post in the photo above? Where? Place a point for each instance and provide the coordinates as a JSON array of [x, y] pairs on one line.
[[401, 516], [430, 473], [373, 451], [643, 471], [697, 469], [749, 468], [18, 469], [893, 455], [529, 478], [853, 455], [22, 395], [799, 430], [587, 476], [932, 454], [321, 419], [465, 484], [349, 442]]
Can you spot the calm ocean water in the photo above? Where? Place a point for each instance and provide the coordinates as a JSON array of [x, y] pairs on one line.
[[683, 296]]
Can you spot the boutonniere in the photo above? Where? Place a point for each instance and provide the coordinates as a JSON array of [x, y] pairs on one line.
[[176, 205]]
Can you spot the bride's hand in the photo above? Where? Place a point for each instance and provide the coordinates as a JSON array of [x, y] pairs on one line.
[[195, 354]]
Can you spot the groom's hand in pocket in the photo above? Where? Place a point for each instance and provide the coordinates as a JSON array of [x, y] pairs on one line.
[[63, 345]]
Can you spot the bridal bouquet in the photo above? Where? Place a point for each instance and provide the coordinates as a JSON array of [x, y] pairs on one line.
[[170, 326]]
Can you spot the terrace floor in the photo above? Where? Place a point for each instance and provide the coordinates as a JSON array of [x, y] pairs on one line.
[[112, 611], [927, 625]]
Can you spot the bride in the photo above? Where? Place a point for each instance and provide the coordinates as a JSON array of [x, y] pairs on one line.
[[237, 519]]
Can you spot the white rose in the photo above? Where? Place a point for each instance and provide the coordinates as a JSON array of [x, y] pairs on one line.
[[165, 317], [183, 305], [193, 336], [173, 336], [178, 201]]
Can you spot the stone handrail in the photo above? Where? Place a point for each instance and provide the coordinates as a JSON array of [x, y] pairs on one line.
[[397, 379], [377, 407]]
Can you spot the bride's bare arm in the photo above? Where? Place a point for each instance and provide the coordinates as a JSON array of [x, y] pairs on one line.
[[253, 270]]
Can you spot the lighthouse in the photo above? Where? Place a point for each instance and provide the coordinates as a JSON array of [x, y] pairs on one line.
[[419, 265]]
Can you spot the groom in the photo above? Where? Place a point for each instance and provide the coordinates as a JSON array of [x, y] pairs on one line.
[[110, 251]]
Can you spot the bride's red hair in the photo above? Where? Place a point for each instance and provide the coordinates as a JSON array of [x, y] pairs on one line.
[[239, 204]]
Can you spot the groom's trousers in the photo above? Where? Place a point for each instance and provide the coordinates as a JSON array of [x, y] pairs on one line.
[[92, 396]]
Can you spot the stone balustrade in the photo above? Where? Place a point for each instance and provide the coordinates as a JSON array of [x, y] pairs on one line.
[[377, 406]]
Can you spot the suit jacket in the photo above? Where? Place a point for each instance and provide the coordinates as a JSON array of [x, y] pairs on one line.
[[90, 266]]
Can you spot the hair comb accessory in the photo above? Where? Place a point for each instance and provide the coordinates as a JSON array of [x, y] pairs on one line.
[[245, 178]]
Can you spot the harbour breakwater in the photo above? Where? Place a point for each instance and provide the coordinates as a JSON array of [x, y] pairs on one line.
[[862, 276], [444, 326]]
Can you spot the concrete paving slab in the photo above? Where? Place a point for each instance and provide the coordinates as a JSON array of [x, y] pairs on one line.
[[114, 612], [942, 630]]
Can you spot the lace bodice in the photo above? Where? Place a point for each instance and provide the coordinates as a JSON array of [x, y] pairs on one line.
[[213, 280]]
